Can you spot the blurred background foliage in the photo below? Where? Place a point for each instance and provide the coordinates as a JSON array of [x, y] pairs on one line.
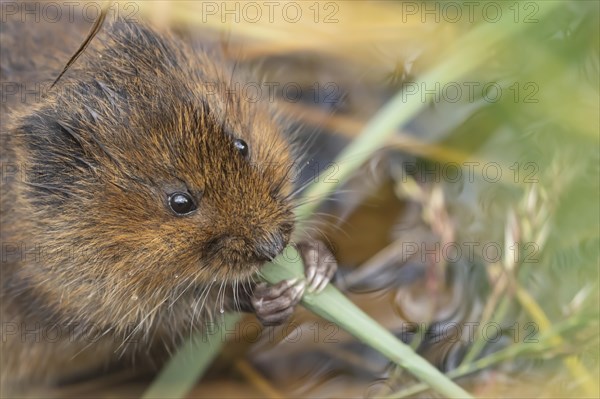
[[508, 153]]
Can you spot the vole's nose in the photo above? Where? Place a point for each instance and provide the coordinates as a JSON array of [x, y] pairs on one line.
[[272, 245], [266, 250]]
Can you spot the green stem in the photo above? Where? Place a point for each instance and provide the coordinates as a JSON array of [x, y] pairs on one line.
[[332, 305], [178, 377], [541, 347], [479, 343]]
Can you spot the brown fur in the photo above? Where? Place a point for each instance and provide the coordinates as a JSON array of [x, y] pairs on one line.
[[131, 121]]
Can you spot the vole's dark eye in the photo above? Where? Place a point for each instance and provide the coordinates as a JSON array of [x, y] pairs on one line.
[[181, 203], [241, 146]]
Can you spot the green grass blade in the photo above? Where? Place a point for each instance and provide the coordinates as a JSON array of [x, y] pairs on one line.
[[332, 305], [191, 360]]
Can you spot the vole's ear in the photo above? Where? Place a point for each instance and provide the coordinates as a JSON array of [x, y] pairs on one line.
[[57, 159], [55, 142]]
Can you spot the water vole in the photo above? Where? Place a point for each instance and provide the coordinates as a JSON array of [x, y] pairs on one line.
[[135, 203]]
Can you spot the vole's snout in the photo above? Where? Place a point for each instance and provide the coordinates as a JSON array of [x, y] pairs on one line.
[[269, 247], [255, 245]]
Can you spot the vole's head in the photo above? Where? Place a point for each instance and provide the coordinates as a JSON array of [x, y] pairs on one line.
[[153, 170]]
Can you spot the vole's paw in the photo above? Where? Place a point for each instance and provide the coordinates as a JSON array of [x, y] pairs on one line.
[[319, 264], [273, 304]]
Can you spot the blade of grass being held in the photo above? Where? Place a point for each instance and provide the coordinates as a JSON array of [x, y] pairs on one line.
[[332, 305], [470, 52]]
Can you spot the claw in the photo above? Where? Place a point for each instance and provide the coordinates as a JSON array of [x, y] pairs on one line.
[[316, 282], [310, 274], [322, 285], [319, 265], [299, 290]]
